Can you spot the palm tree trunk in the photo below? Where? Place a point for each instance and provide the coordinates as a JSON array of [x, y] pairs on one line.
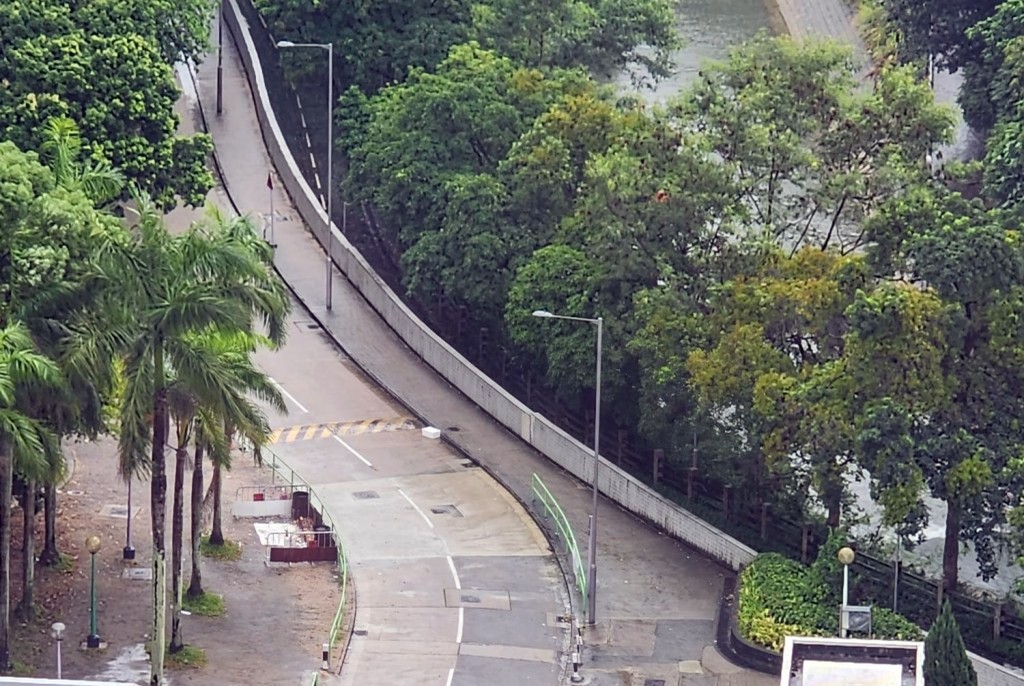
[[26, 608], [177, 536], [195, 586], [50, 554], [216, 533], [6, 483], [158, 512]]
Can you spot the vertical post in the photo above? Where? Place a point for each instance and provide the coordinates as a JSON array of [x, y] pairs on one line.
[[997, 622], [896, 574], [764, 520], [659, 454], [592, 553], [128, 553], [846, 601], [330, 172], [60, 666], [805, 532], [93, 640], [220, 59]]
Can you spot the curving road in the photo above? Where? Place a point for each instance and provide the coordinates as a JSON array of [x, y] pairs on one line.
[[454, 583]]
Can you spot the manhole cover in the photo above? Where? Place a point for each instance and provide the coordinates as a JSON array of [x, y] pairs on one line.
[[359, 632], [654, 682], [476, 599], [365, 495], [446, 510], [118, 511], [137, 574]]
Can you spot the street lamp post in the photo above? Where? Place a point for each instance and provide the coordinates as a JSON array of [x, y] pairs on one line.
[[846, 557], [592, 538], [92, 544], [57, 632], [329, 47]]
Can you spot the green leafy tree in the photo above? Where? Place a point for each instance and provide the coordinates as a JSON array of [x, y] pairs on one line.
[[812, 154], [938, 28], [971, 258], [992, 90], [945, 657], [179, 28], [118, 90]]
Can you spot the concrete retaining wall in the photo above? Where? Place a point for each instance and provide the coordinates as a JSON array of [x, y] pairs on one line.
[[537, 430]]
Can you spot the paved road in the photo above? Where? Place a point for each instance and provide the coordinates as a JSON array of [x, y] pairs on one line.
[[454, 583], [657, 599]]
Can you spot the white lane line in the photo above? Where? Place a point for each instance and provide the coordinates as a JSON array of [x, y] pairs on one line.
[[417, 508], [312, 161], [451, 675], [352, 450], [458, 634], [451, 565], [308, 144], [301, 115], [289, 396]]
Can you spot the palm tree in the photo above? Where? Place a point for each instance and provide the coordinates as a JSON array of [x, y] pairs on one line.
[[235, 351], [62, 151], [227, 360], [23, 439], [173, 288]]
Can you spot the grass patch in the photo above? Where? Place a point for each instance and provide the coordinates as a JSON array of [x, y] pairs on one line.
[[229, 552], [207, 605], [189, 657], [64, 565], [21, 668]]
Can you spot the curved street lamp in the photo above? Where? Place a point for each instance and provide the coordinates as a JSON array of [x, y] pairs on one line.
[[93, 545]]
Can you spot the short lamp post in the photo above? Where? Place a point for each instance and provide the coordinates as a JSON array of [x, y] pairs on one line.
[[592, 538], [93, 545], [846, 557], [57, 632]]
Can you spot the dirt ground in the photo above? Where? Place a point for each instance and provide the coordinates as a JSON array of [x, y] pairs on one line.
[[276, 617]]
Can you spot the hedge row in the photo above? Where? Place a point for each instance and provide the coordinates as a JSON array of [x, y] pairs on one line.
[[779, 597]]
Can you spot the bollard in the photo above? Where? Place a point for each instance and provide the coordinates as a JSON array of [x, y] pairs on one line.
[[326, 657], [576, 678]]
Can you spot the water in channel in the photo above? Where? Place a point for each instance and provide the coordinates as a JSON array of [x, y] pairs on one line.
[[707, 29]]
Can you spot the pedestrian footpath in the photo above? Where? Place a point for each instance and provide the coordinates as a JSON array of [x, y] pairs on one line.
[[657, 600]]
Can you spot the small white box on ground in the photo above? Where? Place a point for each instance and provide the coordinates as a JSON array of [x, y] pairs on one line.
[[431, 432]]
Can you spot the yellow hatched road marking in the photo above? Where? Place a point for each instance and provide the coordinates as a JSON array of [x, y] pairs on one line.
[[308, 432]]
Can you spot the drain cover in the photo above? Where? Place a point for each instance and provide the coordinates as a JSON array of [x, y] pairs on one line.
[[365, 495], [471, 599], [359, 632], [654, 682], [137, 574], [446, 510]]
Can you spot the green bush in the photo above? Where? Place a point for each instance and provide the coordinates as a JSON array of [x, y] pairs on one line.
[[779, 597]]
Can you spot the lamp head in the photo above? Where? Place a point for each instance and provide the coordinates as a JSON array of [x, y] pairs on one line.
[[285, 44], [93, 544], [846, 556], [57, 630], [542, 313]]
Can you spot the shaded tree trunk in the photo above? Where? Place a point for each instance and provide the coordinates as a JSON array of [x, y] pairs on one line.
[[158, 512], [177, 536], [195, 586], [6, 483], [951, 547], [26, 608], [50, 554], [216, 533]]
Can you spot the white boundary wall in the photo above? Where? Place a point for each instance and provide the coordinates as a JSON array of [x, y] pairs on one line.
[[533, 428]]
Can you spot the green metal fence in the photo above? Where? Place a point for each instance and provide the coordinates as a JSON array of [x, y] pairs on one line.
[[553, 510], [281, 468]]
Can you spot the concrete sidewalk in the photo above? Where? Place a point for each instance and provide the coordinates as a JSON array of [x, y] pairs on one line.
[[657, 600]]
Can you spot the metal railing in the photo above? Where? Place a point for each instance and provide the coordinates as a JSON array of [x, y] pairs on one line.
[[281, 468], [564, 529], [273, 492]]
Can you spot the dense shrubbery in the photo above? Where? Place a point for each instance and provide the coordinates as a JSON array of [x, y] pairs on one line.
[[779, 597]]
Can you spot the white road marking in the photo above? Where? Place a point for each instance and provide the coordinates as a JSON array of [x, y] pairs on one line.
[[289, 396], [308, 144], [352, 450], [416, 507], [451, 675], [451, 565], [458, 634]]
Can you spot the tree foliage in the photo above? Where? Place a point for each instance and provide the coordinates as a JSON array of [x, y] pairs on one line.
[[116, 86], [945, 657]]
